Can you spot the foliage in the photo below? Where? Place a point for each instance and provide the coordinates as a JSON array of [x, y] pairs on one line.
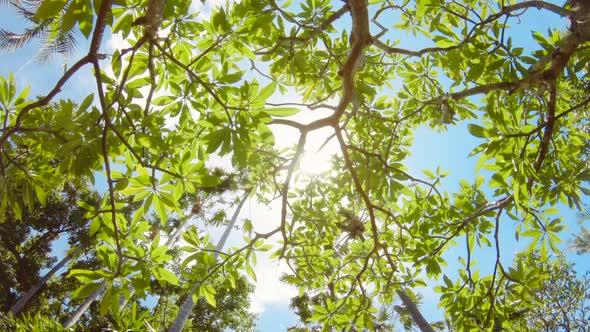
[[29, 322], [582, 242], [231, 311], [26, 245], [232, 302], [561, 302], [195, 87]]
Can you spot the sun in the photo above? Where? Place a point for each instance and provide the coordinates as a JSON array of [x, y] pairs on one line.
[[315, 163]]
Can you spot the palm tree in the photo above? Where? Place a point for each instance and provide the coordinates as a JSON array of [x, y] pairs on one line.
[[56, 38]]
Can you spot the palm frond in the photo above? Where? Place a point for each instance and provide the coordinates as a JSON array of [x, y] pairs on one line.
[[33, 4], [53, 39], [60, 43], [27, 14], [10, 41]]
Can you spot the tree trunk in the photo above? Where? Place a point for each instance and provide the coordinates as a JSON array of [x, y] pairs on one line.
[[84, 306], [17, 307], [422, 323], [189, 304]]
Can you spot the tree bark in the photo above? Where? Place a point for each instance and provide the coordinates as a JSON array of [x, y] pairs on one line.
[[422, 323], [189, 304], [83, 307], [17, 307]]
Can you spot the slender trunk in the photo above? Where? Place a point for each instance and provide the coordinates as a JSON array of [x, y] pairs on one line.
[[33, 290], [189, 304], [422, 323], [84, 306]]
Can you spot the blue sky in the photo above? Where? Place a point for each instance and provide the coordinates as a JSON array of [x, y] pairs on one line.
[[448, 150]]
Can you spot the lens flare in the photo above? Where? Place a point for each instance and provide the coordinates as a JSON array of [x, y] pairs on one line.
[[315, 163]]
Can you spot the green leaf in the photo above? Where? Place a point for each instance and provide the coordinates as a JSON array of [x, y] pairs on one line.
[[85, 206], [163, 100], [209, 293], [215, 139], [443, 41], [260, 99], [231, 78], [121, 184], [49, 9], [542, 40], [94, 226], [17, 210], [282, 111], [85, 290], [71, 16], [160, 208], [105, 302], [22, 95], [162, 274], [158, 252], [86, 24], [481, 132], [86, 275], [155, 242], [250, 272]]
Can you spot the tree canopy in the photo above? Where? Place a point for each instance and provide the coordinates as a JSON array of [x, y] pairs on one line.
[[561, 303], [230, 82]]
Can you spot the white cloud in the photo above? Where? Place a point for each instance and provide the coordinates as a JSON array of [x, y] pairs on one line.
[[269, 290]]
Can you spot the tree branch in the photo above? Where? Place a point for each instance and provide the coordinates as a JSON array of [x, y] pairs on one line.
[[414, 312]]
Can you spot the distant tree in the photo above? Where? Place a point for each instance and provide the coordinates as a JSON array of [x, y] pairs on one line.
[[581, 242], [27, 245], [61, 216], [559, 302], [231, 312]]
